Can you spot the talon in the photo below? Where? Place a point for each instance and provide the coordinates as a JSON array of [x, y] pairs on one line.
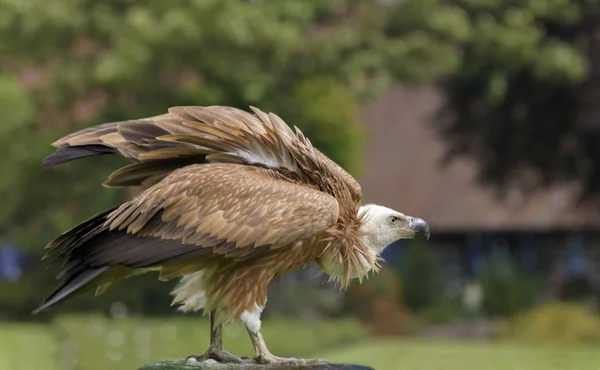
[[221, 356], [271, 359]]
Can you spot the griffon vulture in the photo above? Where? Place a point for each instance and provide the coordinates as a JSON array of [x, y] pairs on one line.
[[231, 200]]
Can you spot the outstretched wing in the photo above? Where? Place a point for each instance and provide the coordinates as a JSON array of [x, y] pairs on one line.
[[196, 134], [183, 136]]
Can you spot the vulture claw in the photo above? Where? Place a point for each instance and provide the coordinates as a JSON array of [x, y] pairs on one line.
[[271, 359], [218, 355]]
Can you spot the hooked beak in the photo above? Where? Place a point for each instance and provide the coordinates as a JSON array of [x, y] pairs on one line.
[[419, 227]]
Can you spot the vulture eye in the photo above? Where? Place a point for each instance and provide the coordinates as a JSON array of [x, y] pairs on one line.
[[393, 219]]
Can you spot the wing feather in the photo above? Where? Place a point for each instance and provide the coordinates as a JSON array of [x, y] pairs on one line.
[[221, 200], [222, 209], [198, 134]]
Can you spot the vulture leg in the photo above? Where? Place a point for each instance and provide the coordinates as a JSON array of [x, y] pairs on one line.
[[215, 350], [252, 323]]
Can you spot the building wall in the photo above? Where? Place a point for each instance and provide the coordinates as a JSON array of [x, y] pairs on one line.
[[403, 170]]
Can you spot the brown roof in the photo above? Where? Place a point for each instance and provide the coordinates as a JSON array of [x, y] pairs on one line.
[[403, 171]]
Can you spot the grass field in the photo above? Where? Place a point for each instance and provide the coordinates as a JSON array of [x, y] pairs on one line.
[[400, 354], [28, 347], [94, 343], [98, 343]]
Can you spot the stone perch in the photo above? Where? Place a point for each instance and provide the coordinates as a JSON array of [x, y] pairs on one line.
[[214, 365]]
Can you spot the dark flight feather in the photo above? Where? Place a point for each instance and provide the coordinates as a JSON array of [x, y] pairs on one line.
[[91, 249], [141, 173], [63, 155], [77, 283]]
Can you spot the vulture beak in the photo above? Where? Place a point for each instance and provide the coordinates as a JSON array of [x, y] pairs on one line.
[[418, 226]]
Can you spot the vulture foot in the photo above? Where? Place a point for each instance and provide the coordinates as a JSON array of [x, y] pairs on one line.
[[272, 359], [219, 355]]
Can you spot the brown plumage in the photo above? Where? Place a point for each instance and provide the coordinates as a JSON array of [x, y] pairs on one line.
[[231, 201]]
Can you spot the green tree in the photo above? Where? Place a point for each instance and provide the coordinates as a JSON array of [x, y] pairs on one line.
[[519, 78], [523, 101], [82, 62]]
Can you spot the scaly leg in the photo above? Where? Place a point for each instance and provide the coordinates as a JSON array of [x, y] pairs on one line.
[[251, 320], [215, 350]]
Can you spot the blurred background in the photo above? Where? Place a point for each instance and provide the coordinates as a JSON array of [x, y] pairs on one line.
[[479, 116]]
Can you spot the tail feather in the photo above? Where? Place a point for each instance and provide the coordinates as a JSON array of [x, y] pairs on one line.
[[76, 283]]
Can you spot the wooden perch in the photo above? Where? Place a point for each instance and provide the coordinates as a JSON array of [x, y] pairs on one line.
[[213, 365]]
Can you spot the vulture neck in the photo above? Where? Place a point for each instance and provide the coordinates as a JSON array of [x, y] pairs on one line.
[[355, 249]]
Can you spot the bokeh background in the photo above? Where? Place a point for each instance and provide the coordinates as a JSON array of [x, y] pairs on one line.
[[480, 116]]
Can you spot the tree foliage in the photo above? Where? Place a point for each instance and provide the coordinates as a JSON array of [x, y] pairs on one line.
[[522, 102], [81, 62], [519, 77]]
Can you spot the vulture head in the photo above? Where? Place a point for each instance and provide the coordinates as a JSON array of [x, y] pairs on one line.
[[381, 227], [385, 226]]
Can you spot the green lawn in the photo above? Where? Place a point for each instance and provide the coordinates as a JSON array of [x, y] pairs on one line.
[[413, 354], [24, 346], [95, 343], [98, 343]]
